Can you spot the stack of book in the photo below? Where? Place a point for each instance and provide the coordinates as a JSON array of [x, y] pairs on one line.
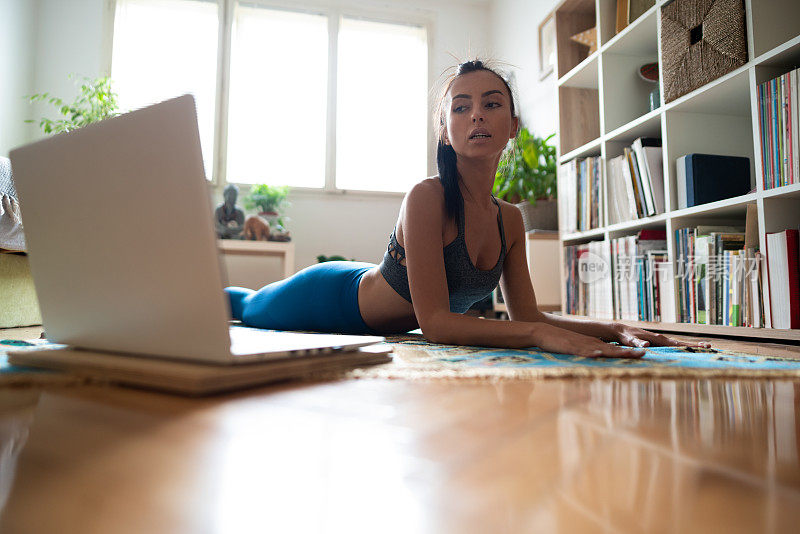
[[778, 123], [583, 204], [641, 290], [588, 280], [635, 181], [719, 278], [783, 264]]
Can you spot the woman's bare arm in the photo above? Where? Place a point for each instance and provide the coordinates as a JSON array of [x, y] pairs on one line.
[[423, 221], [520, 299]]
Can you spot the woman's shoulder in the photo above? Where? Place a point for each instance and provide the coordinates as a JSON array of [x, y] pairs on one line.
[[428, 191], [508, 210], [430, 185], [512, 219]]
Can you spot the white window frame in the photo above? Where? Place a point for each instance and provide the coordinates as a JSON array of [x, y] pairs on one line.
[[334, 10]]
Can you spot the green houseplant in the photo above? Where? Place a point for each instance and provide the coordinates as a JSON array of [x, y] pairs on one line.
[[96, 101], [526, 176], [269, 199]]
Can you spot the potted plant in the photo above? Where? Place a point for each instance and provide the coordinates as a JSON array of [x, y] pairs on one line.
[[526, 176], [96, 101], [269, 199]]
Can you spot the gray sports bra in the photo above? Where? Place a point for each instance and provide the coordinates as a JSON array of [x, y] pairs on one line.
[[466, 283]]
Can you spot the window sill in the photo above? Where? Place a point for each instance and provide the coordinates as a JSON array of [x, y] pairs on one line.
[[313, 192]]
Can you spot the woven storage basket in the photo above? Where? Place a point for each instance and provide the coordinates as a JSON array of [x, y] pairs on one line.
[[700, 41]]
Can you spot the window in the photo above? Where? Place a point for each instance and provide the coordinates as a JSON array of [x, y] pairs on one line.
[[166, 48], [278, 98], [319, 100], [381, 106]]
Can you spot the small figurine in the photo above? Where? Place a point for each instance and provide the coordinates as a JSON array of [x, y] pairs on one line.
[[229, 220], [256, 229]]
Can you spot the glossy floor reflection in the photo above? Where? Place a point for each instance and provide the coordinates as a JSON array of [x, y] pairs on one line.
[[402, 456], [16, 415], [678, 456]]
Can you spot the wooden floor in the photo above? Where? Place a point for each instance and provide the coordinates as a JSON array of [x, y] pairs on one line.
[[405, 456]]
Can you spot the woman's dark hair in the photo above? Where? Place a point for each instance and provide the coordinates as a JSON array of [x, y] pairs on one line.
[[445, 155]]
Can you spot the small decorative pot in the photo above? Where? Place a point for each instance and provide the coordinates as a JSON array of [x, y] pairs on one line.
[[271, 217], [542, 216]]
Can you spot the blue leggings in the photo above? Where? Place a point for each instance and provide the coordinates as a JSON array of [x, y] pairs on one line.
[[320, 298]]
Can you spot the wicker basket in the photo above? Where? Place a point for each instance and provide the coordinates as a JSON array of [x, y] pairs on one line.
[[700, 41], [542, 216]]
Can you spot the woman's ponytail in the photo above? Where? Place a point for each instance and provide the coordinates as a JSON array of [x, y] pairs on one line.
[[448, 176]]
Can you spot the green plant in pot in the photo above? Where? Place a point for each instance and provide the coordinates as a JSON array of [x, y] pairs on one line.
[[96, 101], [526, 176], [269, 199]]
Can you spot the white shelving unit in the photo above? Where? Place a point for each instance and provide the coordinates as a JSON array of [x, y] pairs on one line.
[[603, 107]]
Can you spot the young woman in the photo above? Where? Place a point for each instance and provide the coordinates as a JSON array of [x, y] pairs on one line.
[[453, 242]]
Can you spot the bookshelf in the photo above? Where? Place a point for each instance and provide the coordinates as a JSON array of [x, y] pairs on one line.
[[603, 108]]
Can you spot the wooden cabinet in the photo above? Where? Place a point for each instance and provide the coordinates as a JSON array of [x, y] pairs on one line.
[[543, 261], [254, 264]]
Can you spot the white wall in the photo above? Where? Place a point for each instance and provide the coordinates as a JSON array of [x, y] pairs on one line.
[[70, 40], [515, 25], [17, 45]]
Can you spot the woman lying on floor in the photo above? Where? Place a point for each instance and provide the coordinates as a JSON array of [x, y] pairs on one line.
[[452, 243]]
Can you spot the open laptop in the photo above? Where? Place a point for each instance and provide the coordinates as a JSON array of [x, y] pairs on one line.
[[118, 221]]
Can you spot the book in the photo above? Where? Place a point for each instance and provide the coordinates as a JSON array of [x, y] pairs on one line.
[[760, 100], [794, 104], [785, 129], [617, 211], [627, 182], [622, 15], [701, 281], [789, 121], [758, 283], [704, 178], [644, 172], [780, 129], [774, 131], [655, 171], [581, 192], [784, 279], [666, 295], [702, 245], [568, 194], [645, 242], [656, 261], [636, 182], [723, 240], [624, 188]]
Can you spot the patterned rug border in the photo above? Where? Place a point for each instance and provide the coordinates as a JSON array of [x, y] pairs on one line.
[[419, 364]]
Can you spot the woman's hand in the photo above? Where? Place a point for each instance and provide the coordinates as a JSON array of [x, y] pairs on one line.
[[554, 339], [636, 337]]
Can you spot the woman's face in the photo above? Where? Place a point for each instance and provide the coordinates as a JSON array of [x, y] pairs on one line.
[[479, 121]]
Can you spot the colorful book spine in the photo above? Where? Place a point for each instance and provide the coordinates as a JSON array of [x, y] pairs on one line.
[[778, 114]]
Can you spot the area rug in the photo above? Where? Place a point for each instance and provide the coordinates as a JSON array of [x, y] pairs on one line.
[[415, 358]]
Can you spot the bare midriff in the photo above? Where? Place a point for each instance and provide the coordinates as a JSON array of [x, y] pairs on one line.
[[382, 309]]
